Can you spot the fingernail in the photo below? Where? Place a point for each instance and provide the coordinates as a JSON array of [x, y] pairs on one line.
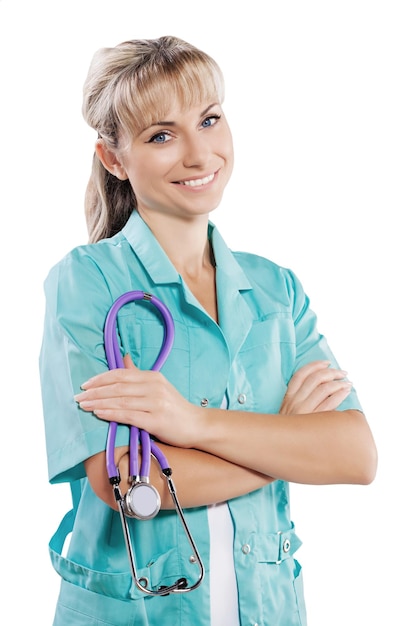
[[86, 404]]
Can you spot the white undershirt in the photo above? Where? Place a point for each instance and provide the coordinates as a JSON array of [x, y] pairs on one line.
[[223, 588]]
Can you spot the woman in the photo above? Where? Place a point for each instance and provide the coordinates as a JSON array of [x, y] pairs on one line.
[[245, 340]]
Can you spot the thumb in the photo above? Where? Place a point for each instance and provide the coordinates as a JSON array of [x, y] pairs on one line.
[[127, 360]]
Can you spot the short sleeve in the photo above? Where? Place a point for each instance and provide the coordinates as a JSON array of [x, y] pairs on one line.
[[310, 344], [72, 351]]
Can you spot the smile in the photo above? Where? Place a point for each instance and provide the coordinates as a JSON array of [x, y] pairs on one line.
[[197, 182]]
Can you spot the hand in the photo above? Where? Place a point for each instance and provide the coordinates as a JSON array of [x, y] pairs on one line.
[[315, 387], [141, 398]]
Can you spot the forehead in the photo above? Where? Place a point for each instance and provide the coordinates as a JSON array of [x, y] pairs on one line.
[[178, 112], [174, 105], [161, 96]]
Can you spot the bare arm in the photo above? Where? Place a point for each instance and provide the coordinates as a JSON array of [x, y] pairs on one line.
[[308, 441], [320, 448], [200, 478]]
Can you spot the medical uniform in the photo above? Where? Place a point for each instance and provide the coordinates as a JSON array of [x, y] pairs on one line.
[[266, 331]]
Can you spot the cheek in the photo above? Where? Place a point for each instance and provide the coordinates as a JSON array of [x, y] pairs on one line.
[[230, 157], [142, 172], [228, 147]]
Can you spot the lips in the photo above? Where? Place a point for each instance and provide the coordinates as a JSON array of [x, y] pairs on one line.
[[197, 182]]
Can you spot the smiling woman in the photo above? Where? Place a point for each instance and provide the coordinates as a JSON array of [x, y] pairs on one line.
[[251, 394], [176, 168], [131, 88]]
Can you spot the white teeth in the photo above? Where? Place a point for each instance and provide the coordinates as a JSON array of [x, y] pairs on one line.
[[198, 182]]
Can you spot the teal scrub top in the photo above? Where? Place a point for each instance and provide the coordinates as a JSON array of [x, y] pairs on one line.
[[266, 331]]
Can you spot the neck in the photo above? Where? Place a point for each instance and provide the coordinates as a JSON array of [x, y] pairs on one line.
[[184, 241]]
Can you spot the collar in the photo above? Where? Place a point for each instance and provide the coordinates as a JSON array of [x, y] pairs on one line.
[[235, 316], [149, 251], [160, 268]]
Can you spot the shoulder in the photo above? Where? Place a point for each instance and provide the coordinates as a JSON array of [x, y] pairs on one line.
[[261, 275], [264, 273], [86, 272], [94, 254]]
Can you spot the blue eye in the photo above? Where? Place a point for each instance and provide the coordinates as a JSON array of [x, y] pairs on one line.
[[159, 138], [210, 121]]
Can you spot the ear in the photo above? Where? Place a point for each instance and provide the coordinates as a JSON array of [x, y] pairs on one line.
[[110, 161]]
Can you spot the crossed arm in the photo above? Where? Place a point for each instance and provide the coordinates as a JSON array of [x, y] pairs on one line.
[[308, 441]]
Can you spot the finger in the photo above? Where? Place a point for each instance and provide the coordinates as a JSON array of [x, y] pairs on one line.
[[144, 393], [316, 381], [128, 363], [118, 389], [334, 401], [299, 377], [326, 393], [110, 377], [113, 390], [323, 377], [116, 404]]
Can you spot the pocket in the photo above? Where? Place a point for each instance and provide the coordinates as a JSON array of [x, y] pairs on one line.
[[77, 606], [163, 571], [267, 357], [141, 333], [142, 336]]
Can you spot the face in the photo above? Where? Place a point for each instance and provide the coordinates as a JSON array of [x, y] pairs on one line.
[[180, 165]]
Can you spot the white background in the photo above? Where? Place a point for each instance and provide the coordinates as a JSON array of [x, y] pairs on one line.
[[321, 97]]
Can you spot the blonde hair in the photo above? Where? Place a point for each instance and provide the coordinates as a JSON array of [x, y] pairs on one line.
[[128, 88]]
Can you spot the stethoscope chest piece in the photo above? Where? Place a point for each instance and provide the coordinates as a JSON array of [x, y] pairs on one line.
[[142, 501]]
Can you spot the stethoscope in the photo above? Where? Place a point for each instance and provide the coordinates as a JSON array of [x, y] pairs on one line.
[[142, 501]]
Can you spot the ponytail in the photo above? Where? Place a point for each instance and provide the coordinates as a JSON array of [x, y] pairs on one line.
[[108, 202]]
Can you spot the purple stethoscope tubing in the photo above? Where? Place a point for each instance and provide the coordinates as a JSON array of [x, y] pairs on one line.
[[148, 446], [115, 360]]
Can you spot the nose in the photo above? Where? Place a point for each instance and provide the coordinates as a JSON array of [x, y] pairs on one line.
[[196, 150]]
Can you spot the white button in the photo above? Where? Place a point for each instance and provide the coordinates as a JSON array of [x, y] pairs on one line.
[[286, 545], [241, 398], [192, 559], [246, 548], [204, 402]]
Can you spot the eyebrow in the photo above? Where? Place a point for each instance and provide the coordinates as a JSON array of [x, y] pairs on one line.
[[168, 123]]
